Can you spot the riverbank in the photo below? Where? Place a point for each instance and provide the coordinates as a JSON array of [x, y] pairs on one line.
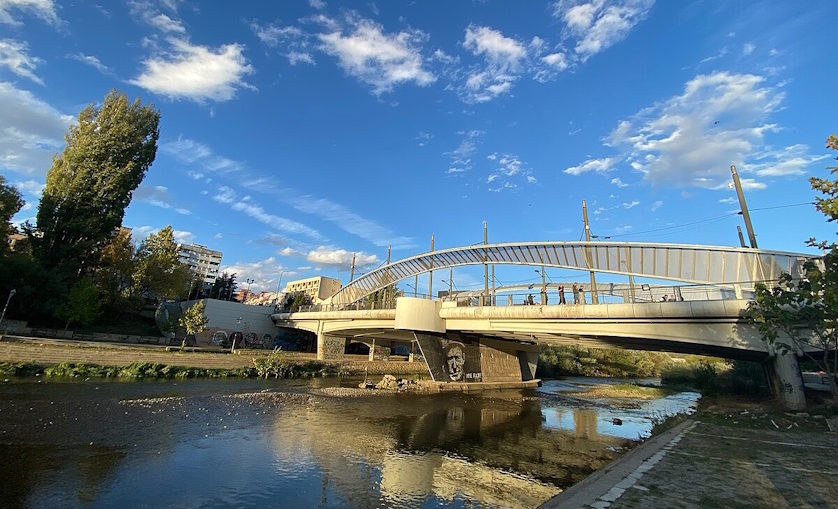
[[733, 452], [81, 359]]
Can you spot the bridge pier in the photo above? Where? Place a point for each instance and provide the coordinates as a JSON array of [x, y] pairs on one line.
[[787, 382], [463, 358], [330, 347], [380, 350]]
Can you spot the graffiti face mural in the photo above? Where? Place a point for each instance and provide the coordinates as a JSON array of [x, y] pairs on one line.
[[455, 360]]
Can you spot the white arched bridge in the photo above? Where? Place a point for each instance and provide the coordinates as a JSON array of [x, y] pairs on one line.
[[709, 265], [489, 343]]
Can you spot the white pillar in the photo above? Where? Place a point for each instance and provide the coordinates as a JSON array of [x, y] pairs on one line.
[[788, 383]]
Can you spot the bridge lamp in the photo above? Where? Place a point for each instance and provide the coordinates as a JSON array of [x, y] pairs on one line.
[[545, 273], [647, 288]]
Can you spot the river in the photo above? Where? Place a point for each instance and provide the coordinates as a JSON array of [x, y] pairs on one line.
[[249, 443]]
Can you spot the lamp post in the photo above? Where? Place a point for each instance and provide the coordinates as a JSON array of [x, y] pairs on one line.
[[249, 281], [11, 294]]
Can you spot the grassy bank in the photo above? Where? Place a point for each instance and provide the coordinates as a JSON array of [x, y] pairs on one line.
[[265, 368], [152, 370]]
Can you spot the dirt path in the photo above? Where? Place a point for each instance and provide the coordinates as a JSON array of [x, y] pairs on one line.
[[50, 351]]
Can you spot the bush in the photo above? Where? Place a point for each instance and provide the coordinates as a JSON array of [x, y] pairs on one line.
[[712, 377], [572, 360]]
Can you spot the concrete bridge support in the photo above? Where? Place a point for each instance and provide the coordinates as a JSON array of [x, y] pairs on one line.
[[787, 382], [380, 349], [330, 347], [463, 358]]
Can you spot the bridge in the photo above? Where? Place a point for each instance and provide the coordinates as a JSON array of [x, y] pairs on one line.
[[474, 339]]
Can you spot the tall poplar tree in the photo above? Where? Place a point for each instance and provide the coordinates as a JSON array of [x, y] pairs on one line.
[[91, 182]]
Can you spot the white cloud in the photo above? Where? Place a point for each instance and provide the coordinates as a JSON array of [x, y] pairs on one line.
[[508, 171], [334, 257], [631, 205], [504, 60], [92, 61], [166, 24], [748, 48], [655, 206], [183, 237], [596, 25], [192, 152], [195, 72], [556, 60], [729, 199], [617, 181], [159, 196], [293, 42], [246, 205], [317, 4], [265, 273], [596, 165], [31, 131], [43, 9], [14, 55], [461, 156], [378, 59], [30, 187], [692, 139]]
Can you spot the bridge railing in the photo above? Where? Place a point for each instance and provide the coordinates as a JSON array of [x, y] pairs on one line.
[[607, 293]]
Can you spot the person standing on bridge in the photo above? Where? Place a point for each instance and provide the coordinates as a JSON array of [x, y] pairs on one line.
[[561, 295], [581, 294], [530, 301], [543, 295], [575, 294]]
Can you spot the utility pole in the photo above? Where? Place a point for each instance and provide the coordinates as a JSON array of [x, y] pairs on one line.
[[594, 298], [352, 269], [486, 301], [386, 297], [431, 272], [450, 283], [415, 285], [741, 238], [279, 285], [494, 299], [744, 207]]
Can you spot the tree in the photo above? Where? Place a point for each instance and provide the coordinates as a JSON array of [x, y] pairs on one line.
[[193, 320], [158, 273], [292, 301], [801, 314], [223, 287], [115, 270], [10, 204], [82, 305], [89, 185]]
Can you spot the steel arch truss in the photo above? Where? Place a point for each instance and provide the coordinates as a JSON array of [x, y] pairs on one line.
[[675, 262]]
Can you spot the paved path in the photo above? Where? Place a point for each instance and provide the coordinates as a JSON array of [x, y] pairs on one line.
[[698, 465]]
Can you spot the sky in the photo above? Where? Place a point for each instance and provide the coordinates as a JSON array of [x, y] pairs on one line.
[[296, 133]]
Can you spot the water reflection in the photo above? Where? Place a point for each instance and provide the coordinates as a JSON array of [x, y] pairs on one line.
[[73, 445]]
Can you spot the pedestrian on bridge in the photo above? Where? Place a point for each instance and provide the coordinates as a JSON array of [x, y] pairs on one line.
[[581, 294], [575, 294], [561, 295], [530, 301]]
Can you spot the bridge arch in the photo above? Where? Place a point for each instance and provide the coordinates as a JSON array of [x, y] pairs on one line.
[[683, 263]]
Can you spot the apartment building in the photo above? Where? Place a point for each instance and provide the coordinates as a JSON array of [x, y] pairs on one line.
[[318, 288], [202, 261]]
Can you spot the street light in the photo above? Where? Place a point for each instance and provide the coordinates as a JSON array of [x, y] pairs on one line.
[[11, 294], [545, 273]]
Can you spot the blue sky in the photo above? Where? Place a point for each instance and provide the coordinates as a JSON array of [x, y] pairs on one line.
[[296, 133]]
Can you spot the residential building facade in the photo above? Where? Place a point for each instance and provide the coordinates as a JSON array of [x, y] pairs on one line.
[[318, 288], [201, 261]]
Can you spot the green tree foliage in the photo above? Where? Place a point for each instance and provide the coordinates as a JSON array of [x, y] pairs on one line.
[[91, 182], [223, 287], [800, 314], [82, 305], [294, 300], [611, 362], [10, 204], [193, 320], [115, 270], [157, 271]]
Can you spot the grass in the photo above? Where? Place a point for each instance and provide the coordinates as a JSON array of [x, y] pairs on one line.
[[625, 391], [264, 368]]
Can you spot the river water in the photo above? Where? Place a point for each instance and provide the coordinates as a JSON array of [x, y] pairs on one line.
[[248, 443]]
